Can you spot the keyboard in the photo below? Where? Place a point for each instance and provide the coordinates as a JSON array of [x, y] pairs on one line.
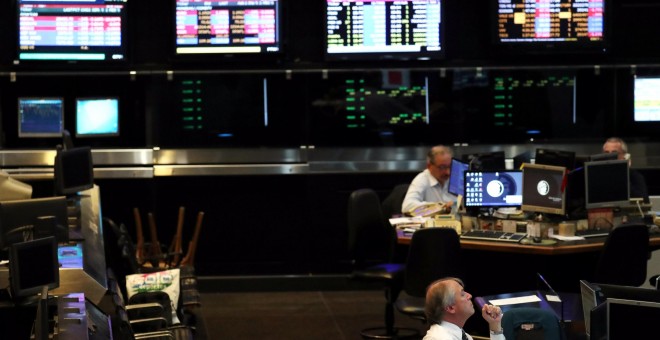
[[493, 235], [587, 233]]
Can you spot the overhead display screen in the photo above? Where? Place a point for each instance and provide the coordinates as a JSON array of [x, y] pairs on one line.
[[226, 27], [384, 28], [74, 30]]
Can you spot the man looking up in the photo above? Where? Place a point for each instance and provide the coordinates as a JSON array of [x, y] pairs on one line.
[[431, 185]]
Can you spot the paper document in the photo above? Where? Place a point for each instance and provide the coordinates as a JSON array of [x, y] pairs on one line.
[[567, 238], [515, 300]]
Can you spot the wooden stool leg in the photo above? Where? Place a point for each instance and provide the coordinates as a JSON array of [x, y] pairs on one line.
[[176, 246], [139, 247], [190, 255]]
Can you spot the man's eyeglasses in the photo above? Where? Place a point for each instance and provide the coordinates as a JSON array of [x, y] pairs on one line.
[[442, 167]]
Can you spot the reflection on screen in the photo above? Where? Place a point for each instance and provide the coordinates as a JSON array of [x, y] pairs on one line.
[[40, 117], [493, 189], [543, 188], [97, 117], [647, 99]]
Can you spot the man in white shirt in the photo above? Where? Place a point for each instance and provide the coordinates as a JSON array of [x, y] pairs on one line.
[[447, 308], [432, 184]]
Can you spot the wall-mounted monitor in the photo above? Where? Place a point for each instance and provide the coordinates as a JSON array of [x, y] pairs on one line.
[[646, 104], [97, 117], [546, 26], [543, 189], [607, 184], [457, 176], [409, 29], [40, 117], [493, 189], [227, 27], [72, 30]]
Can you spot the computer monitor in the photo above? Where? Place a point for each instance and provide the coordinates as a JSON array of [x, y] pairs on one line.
[[555, 157], [607, 184], [493, 189], [37, 217], [32, 265], [606, 156], [40, 117], [543, 188], [486, 161], [408, 29], [575, 190], [456, 177], [97, 117], [74, 170], [647, 104]]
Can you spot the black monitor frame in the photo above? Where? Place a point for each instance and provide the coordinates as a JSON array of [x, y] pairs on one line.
[[29, 271], [532, 188], [74, 170], [614, 177], [35, 217], [486, 161]]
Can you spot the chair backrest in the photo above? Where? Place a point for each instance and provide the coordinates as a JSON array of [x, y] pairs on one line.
[[392, 203], [531, 323], [624, 257], [371, 239], [434, 253]]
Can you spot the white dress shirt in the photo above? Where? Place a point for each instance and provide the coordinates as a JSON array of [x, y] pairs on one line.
[[449, 331], [426, 189]]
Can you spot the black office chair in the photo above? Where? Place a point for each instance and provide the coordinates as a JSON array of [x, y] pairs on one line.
[[531, 323], [371, 241], [624, 257], [392, 203], [434, 253]]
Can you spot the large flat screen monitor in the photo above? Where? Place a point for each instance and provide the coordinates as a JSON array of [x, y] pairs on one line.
[[72, 31], [457, 176], [555, 157], [409, 29], [543, 189], [40, 217], [40, 117], [546, 26], [32, 265], [646, 104], [493, 189], [97, 117], [607, 184], [227, 27]]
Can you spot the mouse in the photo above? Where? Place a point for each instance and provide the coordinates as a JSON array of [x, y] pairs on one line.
[[536, 239]]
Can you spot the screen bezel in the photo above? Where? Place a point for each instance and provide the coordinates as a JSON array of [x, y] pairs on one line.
[[21, 249], [228, 52], [539, 208], [605, 204], [424, 54], [123, 49], [78, 113], [22, 134]]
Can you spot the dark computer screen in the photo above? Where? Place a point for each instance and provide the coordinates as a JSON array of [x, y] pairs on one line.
[[607, 184], [540, 26], [72, 31], [555, 157], [40, 117], [486, 161], [543, 188], [621, 314], [227, 27], [39, 217], [646, 104], [606, 156], [493, 189], [32, 265], [575, 190], [97, 117], [74, 170], [409, 29], [456, 177]]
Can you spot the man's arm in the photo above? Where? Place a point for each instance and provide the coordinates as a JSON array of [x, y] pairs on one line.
[[415, 195]]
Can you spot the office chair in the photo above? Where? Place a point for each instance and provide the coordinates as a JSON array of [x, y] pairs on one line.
[[434, 253], [392, 203], [624, 257], [371, 241], [531, 323]]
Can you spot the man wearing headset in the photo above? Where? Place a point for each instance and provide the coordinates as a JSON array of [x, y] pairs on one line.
[[448, 306], [637, 182]]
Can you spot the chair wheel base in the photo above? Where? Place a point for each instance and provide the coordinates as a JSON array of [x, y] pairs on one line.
[[382, 333]]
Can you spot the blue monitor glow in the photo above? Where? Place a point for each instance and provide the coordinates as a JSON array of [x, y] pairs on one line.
[[543, 188], [607, 184], [493, 189], [227, 27], [550, 25], [72, 31], [456, 177], [97, 117], [647, 99], [40, 117], [381, 29]]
